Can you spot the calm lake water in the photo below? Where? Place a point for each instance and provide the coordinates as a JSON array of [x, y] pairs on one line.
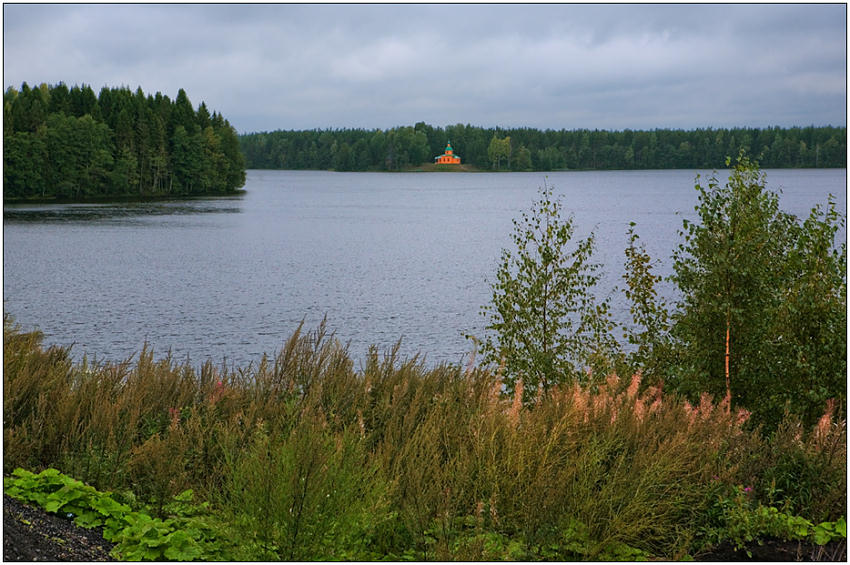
[[384, 256]]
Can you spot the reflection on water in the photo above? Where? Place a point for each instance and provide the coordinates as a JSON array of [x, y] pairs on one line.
[[109, 212]]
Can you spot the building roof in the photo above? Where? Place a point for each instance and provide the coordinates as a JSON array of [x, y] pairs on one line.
[[449, 152]]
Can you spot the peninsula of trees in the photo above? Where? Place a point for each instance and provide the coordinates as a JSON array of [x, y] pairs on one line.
[[71, 144], [523, 149]]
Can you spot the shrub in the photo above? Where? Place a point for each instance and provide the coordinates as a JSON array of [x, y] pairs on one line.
[[311, 495]]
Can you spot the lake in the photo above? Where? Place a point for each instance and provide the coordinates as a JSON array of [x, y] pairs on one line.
[[385, 256]]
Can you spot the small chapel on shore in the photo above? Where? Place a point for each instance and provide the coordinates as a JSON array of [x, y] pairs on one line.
[[448, 158]]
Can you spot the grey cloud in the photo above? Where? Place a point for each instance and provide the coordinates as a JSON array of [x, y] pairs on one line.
[[302, 66]]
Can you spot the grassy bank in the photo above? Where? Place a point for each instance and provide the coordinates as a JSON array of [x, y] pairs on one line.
[[302, 457], [435, 168]]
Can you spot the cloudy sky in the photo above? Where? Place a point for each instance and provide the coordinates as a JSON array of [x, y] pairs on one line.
[[283, 66]]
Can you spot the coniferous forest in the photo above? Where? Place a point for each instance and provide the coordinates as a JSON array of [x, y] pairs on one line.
[[70, 144], [523, 149]]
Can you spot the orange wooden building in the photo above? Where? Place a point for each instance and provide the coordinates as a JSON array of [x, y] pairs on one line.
[[448, 158]]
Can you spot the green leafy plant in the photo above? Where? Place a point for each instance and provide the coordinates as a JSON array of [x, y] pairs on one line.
[[61, 494], [144, 538], [826, 532], [744, 521], [137, 535]]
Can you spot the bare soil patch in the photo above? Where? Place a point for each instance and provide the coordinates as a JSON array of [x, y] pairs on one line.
[[31, 534]]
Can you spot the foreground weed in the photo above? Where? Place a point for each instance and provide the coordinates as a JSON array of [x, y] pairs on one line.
[[309, 495], [303, 458]]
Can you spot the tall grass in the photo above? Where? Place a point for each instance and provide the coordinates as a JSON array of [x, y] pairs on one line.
[[305, 458]]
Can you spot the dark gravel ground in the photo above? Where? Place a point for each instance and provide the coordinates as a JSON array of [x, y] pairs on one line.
[[31, 534], [777, 550]]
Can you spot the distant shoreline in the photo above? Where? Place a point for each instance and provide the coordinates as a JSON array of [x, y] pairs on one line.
[[427, 168], [435, 168]]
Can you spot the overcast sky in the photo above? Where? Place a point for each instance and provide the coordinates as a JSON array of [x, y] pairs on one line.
[[268, 67]]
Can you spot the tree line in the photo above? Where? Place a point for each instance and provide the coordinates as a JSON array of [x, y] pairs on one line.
[[521, 149], [69, 143]]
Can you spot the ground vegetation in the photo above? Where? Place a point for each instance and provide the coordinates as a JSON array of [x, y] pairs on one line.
[[302, 457]]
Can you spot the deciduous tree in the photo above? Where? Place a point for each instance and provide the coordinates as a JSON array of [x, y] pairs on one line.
[[546, 325], [763, 310]]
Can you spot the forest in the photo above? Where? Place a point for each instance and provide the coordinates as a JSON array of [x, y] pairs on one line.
[[70, 144], [524, 149]]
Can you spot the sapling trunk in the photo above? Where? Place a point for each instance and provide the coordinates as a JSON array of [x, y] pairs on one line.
[[728, 334]]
